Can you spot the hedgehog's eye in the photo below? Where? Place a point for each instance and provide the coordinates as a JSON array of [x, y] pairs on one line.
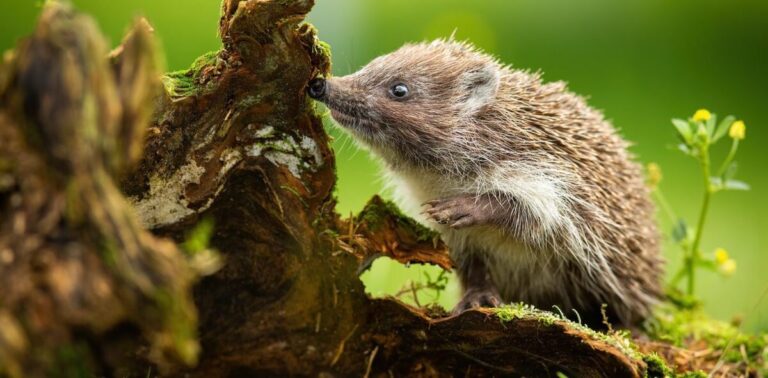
[[399, 90]]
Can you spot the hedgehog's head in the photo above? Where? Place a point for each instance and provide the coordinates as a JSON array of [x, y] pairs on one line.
[[415, 99]]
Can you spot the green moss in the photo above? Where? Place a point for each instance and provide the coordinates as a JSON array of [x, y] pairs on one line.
[[199, 237], [377, 210], [319, 51], [72, 360], [179, 326], [322, 48], [681, 326], [657, 367], [619, 339], [671, 324], [184, 83], [513, 311]]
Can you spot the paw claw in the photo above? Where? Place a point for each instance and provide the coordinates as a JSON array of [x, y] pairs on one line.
[[461, 222], [456, 212], [476, 298]]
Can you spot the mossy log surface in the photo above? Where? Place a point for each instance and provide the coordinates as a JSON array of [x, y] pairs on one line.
[[234, 140]]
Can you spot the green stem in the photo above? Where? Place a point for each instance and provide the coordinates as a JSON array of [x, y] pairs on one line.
[[728, 159], [695, 253], [678, 276], [662, 200]]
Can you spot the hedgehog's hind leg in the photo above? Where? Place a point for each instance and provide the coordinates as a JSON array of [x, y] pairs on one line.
[[479, 289]]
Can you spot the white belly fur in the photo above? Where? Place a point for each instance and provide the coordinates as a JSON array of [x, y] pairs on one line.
[[520, 274]]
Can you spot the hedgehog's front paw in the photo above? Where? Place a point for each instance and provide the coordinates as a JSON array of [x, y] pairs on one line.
[[456, 212], [477, 297]]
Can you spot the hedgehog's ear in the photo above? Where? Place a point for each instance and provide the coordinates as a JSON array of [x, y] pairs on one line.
[[478, 87]]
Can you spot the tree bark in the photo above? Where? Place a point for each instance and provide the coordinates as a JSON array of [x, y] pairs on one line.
[[78, 268], [233, 140]]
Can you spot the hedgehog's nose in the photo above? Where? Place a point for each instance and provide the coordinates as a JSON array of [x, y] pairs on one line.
[[316, 88]]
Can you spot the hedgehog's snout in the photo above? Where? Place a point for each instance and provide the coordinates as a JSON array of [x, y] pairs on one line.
[[317, 88]]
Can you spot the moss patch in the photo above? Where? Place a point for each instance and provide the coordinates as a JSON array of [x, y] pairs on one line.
[[378, 210], [657, 367], [619, 339], [179, 332], [508, 313], [322, 48], [686, 327], [622, 340], [190, 81], [319, 51], [689, 327]]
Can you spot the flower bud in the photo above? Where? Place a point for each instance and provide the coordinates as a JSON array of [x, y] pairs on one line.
[[654, 174], [737, 130], [702, 115], [721, 256]]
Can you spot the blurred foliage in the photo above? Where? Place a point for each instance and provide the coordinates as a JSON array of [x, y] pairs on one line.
[[202, 258], [723, 342], [641, 61], [199, 237]]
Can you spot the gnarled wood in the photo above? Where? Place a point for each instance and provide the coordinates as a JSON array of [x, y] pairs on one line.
[[381, 230], [246, 148]]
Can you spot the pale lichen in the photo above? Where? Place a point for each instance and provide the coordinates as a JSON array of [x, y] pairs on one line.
[[285, 150], [166, 202], [290, 161], [309, 145]]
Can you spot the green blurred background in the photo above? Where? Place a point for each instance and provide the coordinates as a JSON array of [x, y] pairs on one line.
[[641, 61]]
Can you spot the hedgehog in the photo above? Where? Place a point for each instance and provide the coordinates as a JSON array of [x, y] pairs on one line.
[[534, 192]]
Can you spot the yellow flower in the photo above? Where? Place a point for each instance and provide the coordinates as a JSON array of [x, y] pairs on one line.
[[728, 267], [702, 115], [721, 256], [654, 174], [737, 130]]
